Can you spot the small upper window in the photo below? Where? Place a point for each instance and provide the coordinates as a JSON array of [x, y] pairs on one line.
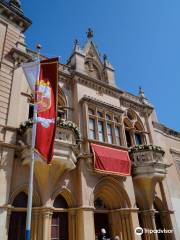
[[92, 134], [117, 136], [91, 111], [109, 133], [100, 114], [138, 139], [101, 131], [108, 117]]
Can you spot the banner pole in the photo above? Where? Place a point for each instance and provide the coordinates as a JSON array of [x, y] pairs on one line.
[[31, 174]]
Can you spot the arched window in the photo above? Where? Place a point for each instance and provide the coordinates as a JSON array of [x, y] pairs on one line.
[[138, 133], [134, 130], [91, 123], [20, 200], [59, 224], [128, 134]]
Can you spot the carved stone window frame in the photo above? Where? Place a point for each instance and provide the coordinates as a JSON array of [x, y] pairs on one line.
[[100, 114], [131, 120]]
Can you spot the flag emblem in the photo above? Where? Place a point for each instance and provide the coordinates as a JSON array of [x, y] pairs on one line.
[[42, 77], [43, 94]]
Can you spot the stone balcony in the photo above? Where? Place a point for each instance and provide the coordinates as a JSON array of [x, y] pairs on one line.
[[66, 145], [147, 160], [148, 169]]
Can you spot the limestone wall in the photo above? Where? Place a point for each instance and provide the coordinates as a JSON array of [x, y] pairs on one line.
[[171, 145]]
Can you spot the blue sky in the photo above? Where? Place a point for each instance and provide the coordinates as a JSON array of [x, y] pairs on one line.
[[140, 37]]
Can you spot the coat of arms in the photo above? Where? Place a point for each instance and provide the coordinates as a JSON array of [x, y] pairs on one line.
[[43, 96]]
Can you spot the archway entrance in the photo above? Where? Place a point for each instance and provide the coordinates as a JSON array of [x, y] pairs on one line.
[[17, 224], [59, 224], [101, 218], [112, 210]]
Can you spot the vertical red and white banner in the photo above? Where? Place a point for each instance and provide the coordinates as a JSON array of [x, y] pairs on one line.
[[43, 80], [46, 96]]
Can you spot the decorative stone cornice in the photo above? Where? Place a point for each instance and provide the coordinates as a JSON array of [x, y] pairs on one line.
[[130, 101], [101, 103], [20, 56], [166, 130], [96, 84], [12, 12]]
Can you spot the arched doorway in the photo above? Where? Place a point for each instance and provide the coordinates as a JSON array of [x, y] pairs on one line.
[[17, 222], [59, 224], [101, 218], [112, 209]]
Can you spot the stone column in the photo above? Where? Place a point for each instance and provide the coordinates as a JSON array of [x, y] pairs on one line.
[[134, 221], [72, 224], [152, 218], [148, 221], [132, 135], [85, 125], [35, 227], [47, 214], [123, 135], [85, 225]]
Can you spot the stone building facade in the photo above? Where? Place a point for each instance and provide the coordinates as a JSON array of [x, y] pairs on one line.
[[71, 200]]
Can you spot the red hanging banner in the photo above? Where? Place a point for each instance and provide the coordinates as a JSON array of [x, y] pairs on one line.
[[45, 97], [111, 160]]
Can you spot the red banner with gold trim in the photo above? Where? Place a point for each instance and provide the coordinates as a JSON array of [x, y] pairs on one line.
[[46, 100], [111, 160]]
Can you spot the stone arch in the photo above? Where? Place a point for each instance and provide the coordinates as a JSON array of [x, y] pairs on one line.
[[131, 114], [112, 193], [138, 126], [67, 195], [127, 122], [36, 202]]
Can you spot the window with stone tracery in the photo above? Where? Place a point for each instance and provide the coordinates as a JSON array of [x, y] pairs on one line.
[[104, 126], [134, 130]]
